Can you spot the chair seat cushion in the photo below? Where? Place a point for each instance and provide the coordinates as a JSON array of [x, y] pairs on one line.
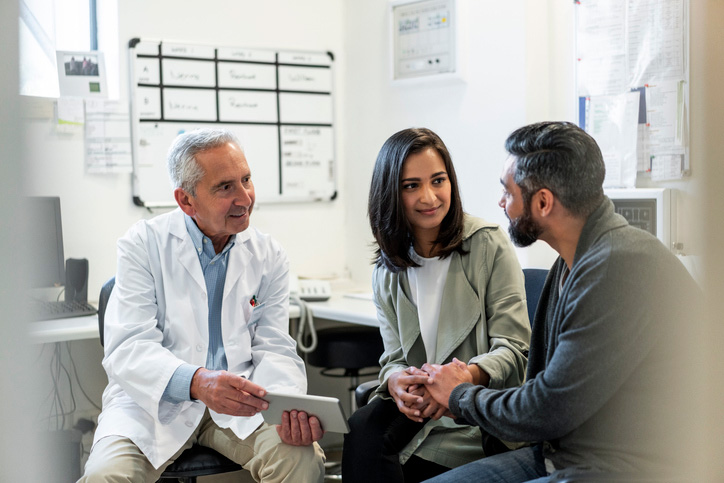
[[199, 461]]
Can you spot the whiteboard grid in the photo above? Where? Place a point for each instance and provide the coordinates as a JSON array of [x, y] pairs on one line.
[[177, 87]]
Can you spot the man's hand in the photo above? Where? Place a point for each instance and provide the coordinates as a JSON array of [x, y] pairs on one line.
[[298, 429], [227, 393], [445, 379], [404, 387]]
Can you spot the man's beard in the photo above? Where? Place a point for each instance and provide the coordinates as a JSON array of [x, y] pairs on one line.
[[523, 230]]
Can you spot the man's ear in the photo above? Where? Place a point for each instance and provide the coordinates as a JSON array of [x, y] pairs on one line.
[[185, 201], [543, 202]]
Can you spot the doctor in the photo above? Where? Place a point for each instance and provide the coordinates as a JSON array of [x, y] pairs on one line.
[[196, 332]]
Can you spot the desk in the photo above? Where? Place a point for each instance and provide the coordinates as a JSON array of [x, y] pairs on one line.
[[343, 308], [61, 330], [338, 308]]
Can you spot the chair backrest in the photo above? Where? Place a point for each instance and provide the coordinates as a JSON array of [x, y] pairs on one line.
[[103, 302], [534, 280]]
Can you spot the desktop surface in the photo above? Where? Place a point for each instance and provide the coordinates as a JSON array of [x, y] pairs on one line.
[[61, 330], [339, 307]]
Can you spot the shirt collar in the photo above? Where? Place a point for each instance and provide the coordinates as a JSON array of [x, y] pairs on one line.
[[198, 237]]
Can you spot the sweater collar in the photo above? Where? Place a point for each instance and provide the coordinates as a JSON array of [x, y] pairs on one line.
[[601, 221]]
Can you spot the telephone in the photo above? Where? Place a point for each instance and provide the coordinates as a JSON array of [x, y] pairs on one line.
[[309, 290]]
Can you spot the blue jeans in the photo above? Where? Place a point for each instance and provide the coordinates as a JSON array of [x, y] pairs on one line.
[[522, 465]]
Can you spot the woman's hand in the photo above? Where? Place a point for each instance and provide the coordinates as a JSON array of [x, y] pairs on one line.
[[429, 407], [405, 387]]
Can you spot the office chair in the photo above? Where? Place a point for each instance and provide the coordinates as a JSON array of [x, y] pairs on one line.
[[348, 349], [534, 280], [197, 460], [345, 352]]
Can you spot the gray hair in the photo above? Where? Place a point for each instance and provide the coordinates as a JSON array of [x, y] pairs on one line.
[[183, 169]]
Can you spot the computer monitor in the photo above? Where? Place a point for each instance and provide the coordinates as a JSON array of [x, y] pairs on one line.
[[47, 264], [650, 209]]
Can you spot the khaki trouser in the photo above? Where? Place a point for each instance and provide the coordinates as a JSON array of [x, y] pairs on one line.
[[117, 459]]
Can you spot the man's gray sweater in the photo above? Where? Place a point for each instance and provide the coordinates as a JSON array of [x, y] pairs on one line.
[[601, 355]]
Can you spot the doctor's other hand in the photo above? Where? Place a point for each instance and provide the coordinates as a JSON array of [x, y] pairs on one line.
[[299, 429], [227, 393], [445, 378]]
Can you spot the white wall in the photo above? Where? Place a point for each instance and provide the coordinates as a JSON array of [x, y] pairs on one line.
[[472, 118], [518, 62], [519, 69]]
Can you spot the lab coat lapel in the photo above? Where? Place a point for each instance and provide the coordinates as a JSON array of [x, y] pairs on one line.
[[459, 311], [240, 263], [185, 250]]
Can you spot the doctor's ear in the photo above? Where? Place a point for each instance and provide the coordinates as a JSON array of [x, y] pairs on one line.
[[184, 201]]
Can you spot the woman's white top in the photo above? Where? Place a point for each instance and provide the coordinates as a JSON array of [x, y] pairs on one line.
[[426, 286]]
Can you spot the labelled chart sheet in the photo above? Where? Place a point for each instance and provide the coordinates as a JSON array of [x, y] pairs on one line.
[[107, 137], [279, 104]]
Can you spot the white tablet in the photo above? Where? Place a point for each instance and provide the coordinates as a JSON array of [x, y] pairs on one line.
[[327, 409]]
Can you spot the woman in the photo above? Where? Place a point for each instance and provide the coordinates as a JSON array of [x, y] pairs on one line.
[[446, 285]]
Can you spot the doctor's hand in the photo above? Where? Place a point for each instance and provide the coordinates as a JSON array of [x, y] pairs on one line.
[[404, 387], [445, 378], [227, 393], [299, 429]]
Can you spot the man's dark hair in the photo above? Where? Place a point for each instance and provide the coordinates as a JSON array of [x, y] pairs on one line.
[[561, 157], [390, 227]]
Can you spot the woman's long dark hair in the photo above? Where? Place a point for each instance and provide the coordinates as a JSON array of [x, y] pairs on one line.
[[390, 227]]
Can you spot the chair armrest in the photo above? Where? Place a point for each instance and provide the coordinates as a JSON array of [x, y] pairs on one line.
[[364, 391]]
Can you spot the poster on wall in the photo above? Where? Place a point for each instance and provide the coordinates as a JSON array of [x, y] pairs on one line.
[[626, 46], [81, 74]]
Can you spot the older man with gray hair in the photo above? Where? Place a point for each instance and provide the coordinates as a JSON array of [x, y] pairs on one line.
[[196, 332]]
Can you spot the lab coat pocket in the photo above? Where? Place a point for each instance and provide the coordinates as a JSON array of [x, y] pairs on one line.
[[255, 316]]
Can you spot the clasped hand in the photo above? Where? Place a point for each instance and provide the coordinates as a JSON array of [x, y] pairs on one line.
[[424, 393], [407, 388], [227, 393]]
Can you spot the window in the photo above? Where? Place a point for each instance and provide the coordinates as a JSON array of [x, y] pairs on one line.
[[50, 25]]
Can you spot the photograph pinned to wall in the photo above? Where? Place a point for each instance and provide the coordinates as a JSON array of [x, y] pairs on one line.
[[82, 74]]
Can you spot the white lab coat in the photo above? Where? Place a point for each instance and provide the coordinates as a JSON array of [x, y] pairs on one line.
[[157, 319]]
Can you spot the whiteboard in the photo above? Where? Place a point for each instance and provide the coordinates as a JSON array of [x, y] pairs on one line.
[[279, 104]]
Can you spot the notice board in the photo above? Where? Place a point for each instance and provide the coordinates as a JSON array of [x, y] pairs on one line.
[[632, 69], [279, 104]]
